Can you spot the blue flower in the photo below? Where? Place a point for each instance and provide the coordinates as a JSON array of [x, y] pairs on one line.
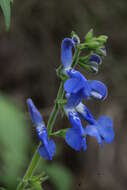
[[94, 61], [102, 130], [94, 58], [78, 87], [75, 135], [66, 52], [48, 147], [73, 104]]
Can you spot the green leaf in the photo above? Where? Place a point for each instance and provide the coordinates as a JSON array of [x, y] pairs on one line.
[[6, 8], [13, 142]]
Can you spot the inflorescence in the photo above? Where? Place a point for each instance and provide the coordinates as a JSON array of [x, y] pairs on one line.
[[77, 88]]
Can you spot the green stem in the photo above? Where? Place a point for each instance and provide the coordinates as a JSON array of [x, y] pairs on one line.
[[33, 164], [30, 170], [55, 110], [76, 57]]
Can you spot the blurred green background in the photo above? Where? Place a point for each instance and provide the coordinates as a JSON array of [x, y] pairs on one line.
[[29, 55]]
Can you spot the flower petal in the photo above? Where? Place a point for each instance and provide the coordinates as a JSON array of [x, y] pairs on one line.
[[66, 52], [74, 139], [34, 113], [52, 147], [74, 99], [42, 134], [85, 113], [105, 127], [94, 58], [98, 89], [49, 151], [76, 83], [76, 122], [92, 131], [73, 85], [72, 73], [43, 153]]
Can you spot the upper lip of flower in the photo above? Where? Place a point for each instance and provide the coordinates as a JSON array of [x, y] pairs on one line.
[[75, 83], [34, 113], [66, 52]]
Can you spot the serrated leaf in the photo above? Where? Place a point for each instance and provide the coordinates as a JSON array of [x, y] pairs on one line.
[[13, 141], [6, 8]]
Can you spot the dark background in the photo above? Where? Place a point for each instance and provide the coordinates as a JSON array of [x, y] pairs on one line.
[[29, 55]]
